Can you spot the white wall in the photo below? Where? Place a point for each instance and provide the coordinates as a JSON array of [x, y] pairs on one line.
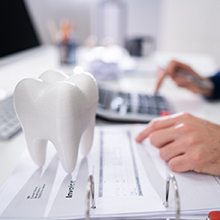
[[177, 25], [76, 11], [143, 16], [191, 26]]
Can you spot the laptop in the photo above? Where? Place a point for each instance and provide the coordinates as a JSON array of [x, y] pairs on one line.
[[21, 55]]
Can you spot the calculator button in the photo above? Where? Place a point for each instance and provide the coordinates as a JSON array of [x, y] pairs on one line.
[[214, 215], [164, 113]]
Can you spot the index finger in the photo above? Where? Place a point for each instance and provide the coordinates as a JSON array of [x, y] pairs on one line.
[[162, 74], [170, 70], [154, 125]]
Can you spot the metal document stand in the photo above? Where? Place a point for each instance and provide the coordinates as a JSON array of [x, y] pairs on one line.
[[90, 196], [171, 179]]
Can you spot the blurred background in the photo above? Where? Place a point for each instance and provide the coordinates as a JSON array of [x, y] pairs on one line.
[[185, 26]]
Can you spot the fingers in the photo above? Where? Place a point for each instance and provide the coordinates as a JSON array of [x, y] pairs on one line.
[[182, 140], [170, 135], [172, 150], [163, 137], [180, 163], [163, 73], [161, 76], [182, 81], [171, 70], [174, 66], [155, 125], [162, 123], [193, 85]]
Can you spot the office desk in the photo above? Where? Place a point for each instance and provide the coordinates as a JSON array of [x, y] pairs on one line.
[[142, 81]]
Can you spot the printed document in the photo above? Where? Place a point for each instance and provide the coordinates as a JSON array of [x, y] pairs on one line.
[[130, 182]]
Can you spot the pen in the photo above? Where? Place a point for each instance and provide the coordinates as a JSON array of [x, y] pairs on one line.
[[204, 84], [201, 83]]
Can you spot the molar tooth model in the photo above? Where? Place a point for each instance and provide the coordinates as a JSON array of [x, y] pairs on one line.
[[60, 109]]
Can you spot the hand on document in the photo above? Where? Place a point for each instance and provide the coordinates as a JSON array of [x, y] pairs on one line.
[[184, 76], [186, 143]]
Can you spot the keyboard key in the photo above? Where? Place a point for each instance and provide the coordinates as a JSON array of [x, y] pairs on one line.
[[9, 124]]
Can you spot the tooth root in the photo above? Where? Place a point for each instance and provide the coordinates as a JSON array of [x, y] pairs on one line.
[[37, 150], [87, 138], [68, 153]]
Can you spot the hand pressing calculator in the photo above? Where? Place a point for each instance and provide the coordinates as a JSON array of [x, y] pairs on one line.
[[131, 107]]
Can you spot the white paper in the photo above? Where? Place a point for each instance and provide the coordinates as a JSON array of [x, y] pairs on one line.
[[122, 187], [129, 183]]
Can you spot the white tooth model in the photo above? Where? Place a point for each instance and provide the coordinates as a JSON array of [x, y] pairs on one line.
[[60, 109]]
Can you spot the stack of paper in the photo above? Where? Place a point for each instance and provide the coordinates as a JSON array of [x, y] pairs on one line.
[[130, 182]]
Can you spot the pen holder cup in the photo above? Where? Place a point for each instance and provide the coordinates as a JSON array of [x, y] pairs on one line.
[[67, 51]]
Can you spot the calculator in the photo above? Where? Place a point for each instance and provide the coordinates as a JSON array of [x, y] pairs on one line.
[[121, 106]]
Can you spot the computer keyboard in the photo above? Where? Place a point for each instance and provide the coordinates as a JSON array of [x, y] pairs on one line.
[[9, 124], [131, 107]]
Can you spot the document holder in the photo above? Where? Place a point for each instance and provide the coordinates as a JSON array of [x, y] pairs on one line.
[[90, 196], [171, 179], [119, 179]]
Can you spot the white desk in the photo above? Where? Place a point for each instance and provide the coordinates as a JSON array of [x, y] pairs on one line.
[[10, 151]]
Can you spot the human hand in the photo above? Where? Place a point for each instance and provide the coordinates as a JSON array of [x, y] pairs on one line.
[[184, 76], [185, 142]]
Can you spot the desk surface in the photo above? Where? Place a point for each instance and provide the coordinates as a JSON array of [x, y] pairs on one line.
[[182, 100]]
